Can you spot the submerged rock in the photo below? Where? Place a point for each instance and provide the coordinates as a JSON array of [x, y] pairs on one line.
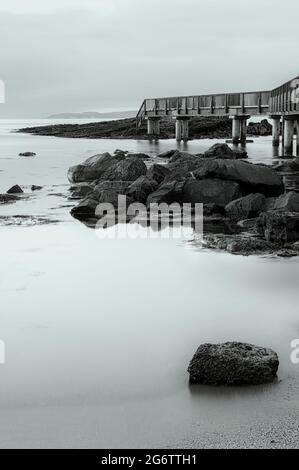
[[36, 188], [252, 178], [8, 198], [27, 154], [15, 190], [246, 207], [239, 244], [233, 363]]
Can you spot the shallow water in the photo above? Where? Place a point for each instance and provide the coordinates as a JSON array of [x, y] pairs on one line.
[[99, 333]]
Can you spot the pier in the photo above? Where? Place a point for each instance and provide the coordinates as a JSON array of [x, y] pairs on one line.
[[280, 104]]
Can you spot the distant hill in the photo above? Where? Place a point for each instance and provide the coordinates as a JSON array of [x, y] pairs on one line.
[[95, 115]]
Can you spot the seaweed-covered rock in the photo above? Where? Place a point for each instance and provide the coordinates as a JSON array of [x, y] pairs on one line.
[[279, 227], [233, 363]]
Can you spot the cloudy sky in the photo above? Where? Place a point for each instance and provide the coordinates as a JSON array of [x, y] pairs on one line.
[[99, 55]]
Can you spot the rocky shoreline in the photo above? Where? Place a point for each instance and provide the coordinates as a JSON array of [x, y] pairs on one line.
[[247, 209], [200, 128]]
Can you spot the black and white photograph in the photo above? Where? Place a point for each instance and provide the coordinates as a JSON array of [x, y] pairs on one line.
[[149, 228]]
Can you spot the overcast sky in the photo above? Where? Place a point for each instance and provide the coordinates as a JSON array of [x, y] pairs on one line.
[[98, 55]]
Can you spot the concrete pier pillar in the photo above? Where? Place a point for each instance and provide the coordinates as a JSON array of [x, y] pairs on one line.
[[243, 133], [182, 129], [153, 126], [288, 136], [236, 130], [276, 131]]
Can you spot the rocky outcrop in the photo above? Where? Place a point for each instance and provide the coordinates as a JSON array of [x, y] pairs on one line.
[[224, 151], [239, 244], [251, 178], [246, 207], [93, 168], [259, 128], [279, 227], [16, 189], [211, 191], [233, 363]]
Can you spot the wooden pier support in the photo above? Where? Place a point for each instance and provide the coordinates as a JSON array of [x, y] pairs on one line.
[[182, 128]]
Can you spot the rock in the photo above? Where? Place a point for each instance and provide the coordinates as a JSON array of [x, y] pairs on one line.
[[36, 188], [167, 154], [279, 227], [286, 202], [246, 207], [141, 155], [27, 154], [120, 152], [85, 208], [8, 198], [212, 208], [126, 170], [252, 178], [140, 189], [158, 172], [181, 166], [259, 128], [81, 190], [108, 192], [239, 244], [224, 151], [294, 164], [211, 191], [15, 190], [233, 363], [169, 192], [93, 168]]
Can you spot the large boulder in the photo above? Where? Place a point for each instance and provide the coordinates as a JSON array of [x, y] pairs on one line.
[[259, 128], [126, 170], [93, 168], [181, 165], [252, 178], [286, 202], [233, 363], [279, 227], [81, 190], [211, 191], [167, 154], [141, 188], [246, 207], [224, 151], [158, 172]]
